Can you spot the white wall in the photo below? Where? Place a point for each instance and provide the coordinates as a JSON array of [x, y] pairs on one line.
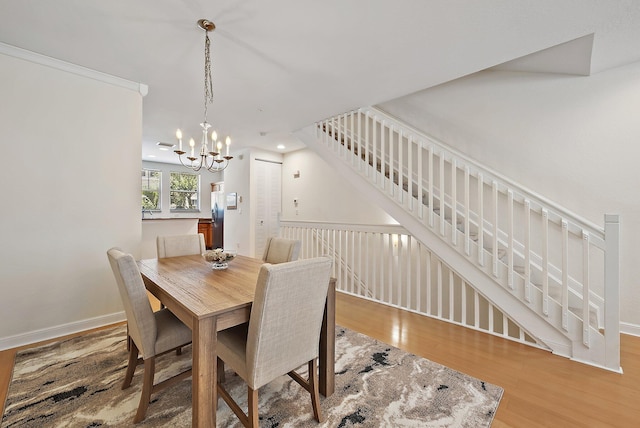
[[237, 223], [322, 194], [70, 171], [573, 139]]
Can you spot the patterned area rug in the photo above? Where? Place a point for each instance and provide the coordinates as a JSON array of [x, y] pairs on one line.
[[76, 383]]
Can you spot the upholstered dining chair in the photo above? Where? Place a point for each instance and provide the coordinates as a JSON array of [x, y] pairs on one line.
[[280, 250], [282, 334], [151, 333], [180, 245]]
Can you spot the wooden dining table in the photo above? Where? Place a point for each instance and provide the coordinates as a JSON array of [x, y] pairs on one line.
[[208, 301]]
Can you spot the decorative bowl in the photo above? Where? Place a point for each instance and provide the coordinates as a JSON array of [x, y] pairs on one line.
[[219, 258]]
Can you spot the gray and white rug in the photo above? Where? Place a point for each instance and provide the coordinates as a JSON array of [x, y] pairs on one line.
[[76, 383]]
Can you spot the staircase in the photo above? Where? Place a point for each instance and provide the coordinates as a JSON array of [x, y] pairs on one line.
[[552, 272]]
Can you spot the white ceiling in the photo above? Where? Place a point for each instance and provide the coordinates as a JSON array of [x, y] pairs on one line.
[[280, 65]]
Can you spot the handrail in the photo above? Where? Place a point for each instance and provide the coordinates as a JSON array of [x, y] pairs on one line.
[[490, 173], [518, 237], [596, 234]]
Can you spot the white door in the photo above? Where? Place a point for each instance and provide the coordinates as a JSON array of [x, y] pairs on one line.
[[268, 201]]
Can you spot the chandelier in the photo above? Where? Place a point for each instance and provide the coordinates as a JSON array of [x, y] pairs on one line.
[[210, 156]]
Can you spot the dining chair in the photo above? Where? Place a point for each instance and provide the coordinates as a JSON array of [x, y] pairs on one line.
[[282, 334], [280, 250], [180, 245], [151, 333]]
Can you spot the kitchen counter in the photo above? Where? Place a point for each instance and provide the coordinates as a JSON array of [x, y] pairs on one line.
[[170, 218]]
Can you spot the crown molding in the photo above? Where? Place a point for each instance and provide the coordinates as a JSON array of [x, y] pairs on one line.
[[72, 68]]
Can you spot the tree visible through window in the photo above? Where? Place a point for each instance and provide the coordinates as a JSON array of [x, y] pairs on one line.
[[151, 180], [184, 191]]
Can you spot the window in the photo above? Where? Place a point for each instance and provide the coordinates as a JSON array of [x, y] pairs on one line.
[[184, 191], [151, 180]]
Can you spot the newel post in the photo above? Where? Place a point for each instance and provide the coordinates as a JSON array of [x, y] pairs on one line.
[[612, 290]]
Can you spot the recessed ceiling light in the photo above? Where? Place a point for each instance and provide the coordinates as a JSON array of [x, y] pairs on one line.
[[151, 156], [281, 146]]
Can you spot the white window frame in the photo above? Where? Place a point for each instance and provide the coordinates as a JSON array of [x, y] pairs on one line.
[[197, 192]]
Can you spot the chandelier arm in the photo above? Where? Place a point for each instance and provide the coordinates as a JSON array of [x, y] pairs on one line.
[[191, 167], [217, 164], [206, 164]]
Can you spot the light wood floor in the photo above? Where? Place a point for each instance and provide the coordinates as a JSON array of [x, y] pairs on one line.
[[541, 390]]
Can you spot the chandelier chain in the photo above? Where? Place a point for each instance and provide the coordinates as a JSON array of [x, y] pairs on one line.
[[208, 82]]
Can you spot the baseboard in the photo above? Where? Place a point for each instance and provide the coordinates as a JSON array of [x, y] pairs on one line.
[[59, 331], [632, 329]]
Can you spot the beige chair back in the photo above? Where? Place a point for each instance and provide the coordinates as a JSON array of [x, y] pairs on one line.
[[180, 245], [286, 318], [140, 318], [281, 250]]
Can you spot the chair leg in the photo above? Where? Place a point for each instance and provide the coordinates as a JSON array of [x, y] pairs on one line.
[[131, 365], [252, 404], [252, 401], [128, 338], [147, 388], [313, 386]]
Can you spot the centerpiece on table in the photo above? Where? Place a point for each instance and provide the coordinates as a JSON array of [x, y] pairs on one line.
[[219, 258]]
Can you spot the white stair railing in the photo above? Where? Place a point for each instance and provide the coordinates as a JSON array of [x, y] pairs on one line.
[[560, 265], [385, 264]]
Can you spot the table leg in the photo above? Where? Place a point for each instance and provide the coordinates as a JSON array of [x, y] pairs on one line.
[[204, 399], [326, 384]]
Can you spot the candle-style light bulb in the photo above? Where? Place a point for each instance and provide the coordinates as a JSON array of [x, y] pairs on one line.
[[228, 142], [214, 137], [219, 148], [179, 137], [193, 145]]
